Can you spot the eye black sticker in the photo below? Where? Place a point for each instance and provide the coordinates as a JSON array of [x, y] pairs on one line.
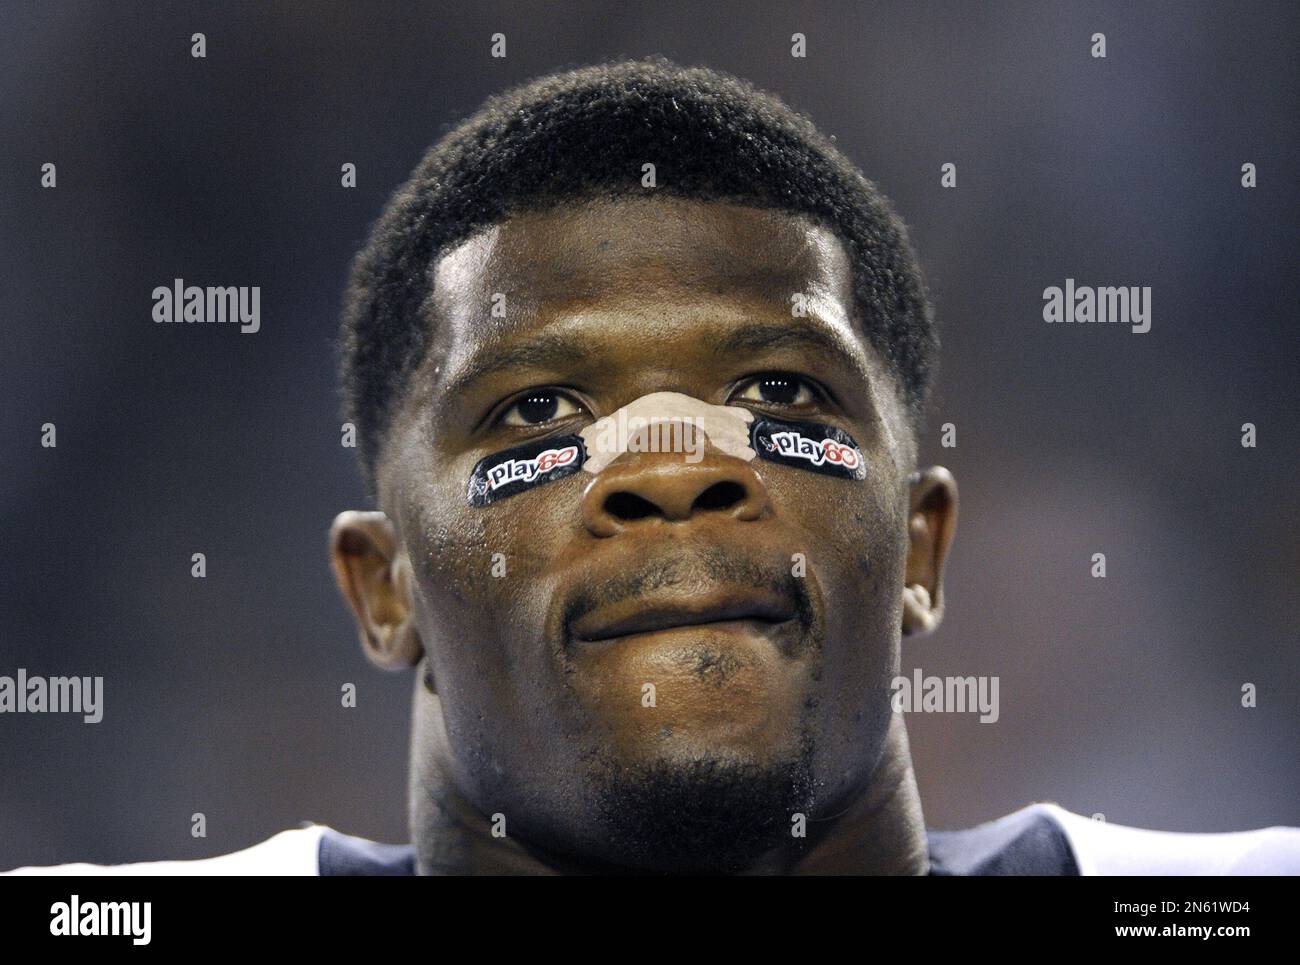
[[808, 445], [523, 467]]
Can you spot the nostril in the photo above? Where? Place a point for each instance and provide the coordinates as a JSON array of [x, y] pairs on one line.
[[719, 496], [625, 505]]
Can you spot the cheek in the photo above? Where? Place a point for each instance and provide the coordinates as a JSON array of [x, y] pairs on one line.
[[854, 531], [466, 556], [856, 548], [481, 572], [481, 588], [448, 546], [857, 554]]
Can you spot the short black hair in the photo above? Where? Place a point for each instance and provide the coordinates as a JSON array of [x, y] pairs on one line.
[[585, 133]]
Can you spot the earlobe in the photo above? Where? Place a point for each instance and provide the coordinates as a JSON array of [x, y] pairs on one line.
[[374, 576], [931, 523], [919, 616]]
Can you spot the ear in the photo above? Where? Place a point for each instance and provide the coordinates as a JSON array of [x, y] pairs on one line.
[[932, 520], [374, 575]]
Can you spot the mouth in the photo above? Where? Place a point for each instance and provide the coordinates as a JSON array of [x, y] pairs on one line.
[[722, 608]]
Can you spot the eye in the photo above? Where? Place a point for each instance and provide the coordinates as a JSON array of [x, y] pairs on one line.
[[540, 406], [777, 388]]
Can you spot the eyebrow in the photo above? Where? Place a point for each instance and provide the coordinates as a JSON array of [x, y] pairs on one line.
[[553, 350], [757, 336], [547, 350]]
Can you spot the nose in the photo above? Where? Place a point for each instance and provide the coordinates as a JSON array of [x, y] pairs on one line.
[[662, 487]]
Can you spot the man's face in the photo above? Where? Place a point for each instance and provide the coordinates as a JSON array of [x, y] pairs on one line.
[[711, 636]]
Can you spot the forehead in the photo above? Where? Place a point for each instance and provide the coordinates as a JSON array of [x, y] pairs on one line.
[[537, 263]]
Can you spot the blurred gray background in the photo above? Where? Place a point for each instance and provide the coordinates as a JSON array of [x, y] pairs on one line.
[[1119, 696]]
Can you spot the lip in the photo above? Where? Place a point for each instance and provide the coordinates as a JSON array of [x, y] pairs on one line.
[[661, 611]]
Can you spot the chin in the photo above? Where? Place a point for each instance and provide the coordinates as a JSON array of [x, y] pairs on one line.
[[712, 814], [694, 697]]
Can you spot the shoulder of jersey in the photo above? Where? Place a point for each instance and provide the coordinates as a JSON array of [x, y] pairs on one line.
[[1102, 848], [289, 853], [1099, 848]]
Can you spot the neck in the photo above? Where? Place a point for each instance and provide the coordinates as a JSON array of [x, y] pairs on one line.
[[880, 831]]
